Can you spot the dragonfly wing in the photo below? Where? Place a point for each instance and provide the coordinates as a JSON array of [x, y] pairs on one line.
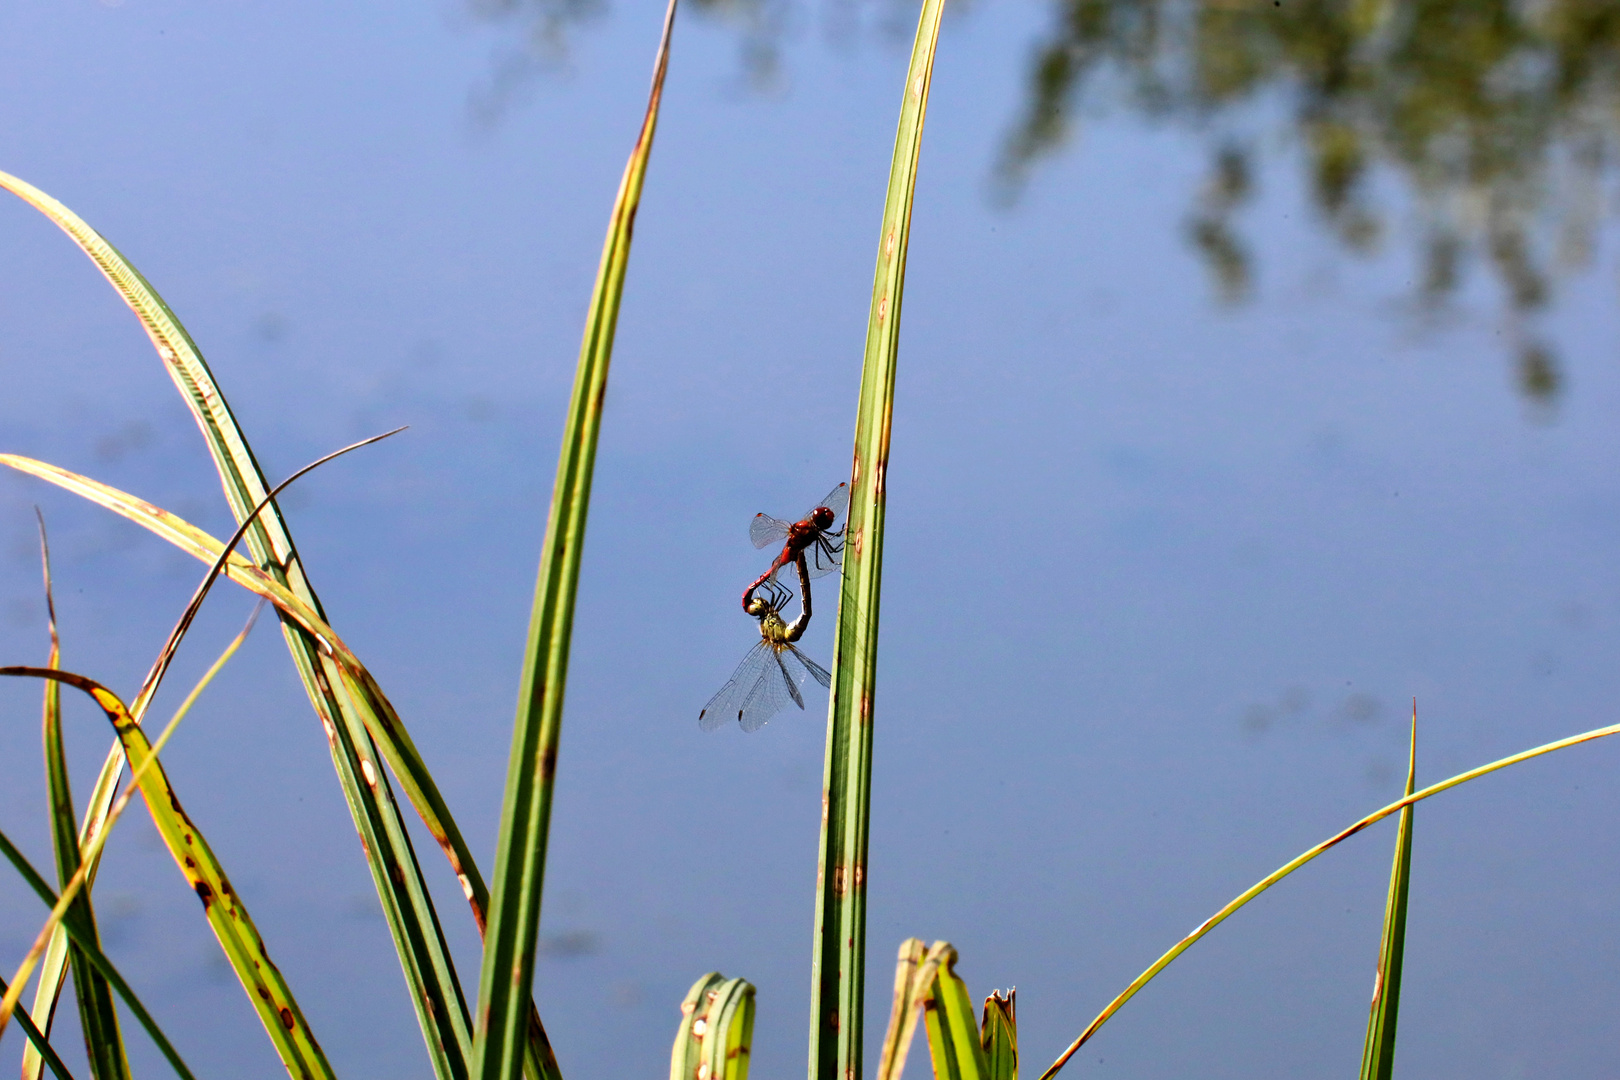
[[824, 556], [765, 530], [768, 694], [817, 672], [789, 681], [728, 701]]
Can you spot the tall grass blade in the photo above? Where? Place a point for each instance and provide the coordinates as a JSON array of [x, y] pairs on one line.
[[999, 1035], [227, 916], [716, 1033], [1300, 860], [520, 859], [32, 877], [1378, 1054], [98, 1019], [38, 1046], [838, 966], [430, 974]]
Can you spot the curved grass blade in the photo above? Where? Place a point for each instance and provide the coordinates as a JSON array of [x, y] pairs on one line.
[[98, 1019], [38, 1045], [520, 859], [96, 957], [999, 1035], [716, 1032], [1378, 1053], [227, 916], [418, 939], [1300, 860], [354, 681], [838, 968]]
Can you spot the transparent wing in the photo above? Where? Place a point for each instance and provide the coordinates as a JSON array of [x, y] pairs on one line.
[[817, 672], [765, 530], [837, 501], [824, 555], [774, 689], [728, 703]]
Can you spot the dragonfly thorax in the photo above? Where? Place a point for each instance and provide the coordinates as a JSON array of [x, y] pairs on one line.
[[772, 628]]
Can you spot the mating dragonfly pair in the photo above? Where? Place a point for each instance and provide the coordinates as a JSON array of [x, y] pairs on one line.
[[772, 672]]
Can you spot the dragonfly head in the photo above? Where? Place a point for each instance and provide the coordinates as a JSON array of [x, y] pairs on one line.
[[758, 607], [822, 517]]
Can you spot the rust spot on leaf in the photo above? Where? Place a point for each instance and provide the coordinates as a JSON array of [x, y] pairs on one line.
[[286, 1018], [548, 764], [263, 992], [204, 893]]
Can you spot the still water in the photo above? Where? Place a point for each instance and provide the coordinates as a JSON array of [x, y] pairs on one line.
[[1258, 377]]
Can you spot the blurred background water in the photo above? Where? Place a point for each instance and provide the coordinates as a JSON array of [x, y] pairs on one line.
[[1258, 376]]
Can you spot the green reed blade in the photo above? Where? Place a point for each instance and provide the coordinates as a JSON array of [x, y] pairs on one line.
[[430, 973], [9, 851], [838, 966], [716, 1033], [98, 1019], [1378, 1053], [1300, 860], [226, 914], [53, 966], [38, 1046], [998, 1034], [514, 917]]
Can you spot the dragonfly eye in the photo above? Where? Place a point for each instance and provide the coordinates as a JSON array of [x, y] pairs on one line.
[[822, 518]]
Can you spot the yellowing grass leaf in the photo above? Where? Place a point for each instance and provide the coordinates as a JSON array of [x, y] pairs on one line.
[[715, 1037]]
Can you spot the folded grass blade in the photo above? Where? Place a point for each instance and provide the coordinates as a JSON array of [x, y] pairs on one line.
[[226, 914], [9, 852], [999, 1035], [904, 1012], [716, 1032], [520, 859], [1378, 1053], [953, 1033], [1300, 860], [98, 1019], [430, 974], [838, 966]]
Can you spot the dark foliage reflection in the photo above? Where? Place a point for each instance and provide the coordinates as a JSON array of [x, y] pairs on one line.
[[1500, 118]]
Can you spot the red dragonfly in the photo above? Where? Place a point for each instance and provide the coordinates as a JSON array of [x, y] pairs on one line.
[[811, 537], [765, 681]]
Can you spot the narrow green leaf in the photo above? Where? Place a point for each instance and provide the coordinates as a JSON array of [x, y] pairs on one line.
[[226, 914], [953, 1033], [38, 1046], [1307, 856], [32, 877], [999, 1035], [838, 966], [716, 1033], [98, 1019], [430, 974], [1378, 1053], [520, 859]]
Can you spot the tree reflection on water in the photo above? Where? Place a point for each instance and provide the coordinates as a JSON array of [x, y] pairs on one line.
[[1500, 117], [1500, 120]]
